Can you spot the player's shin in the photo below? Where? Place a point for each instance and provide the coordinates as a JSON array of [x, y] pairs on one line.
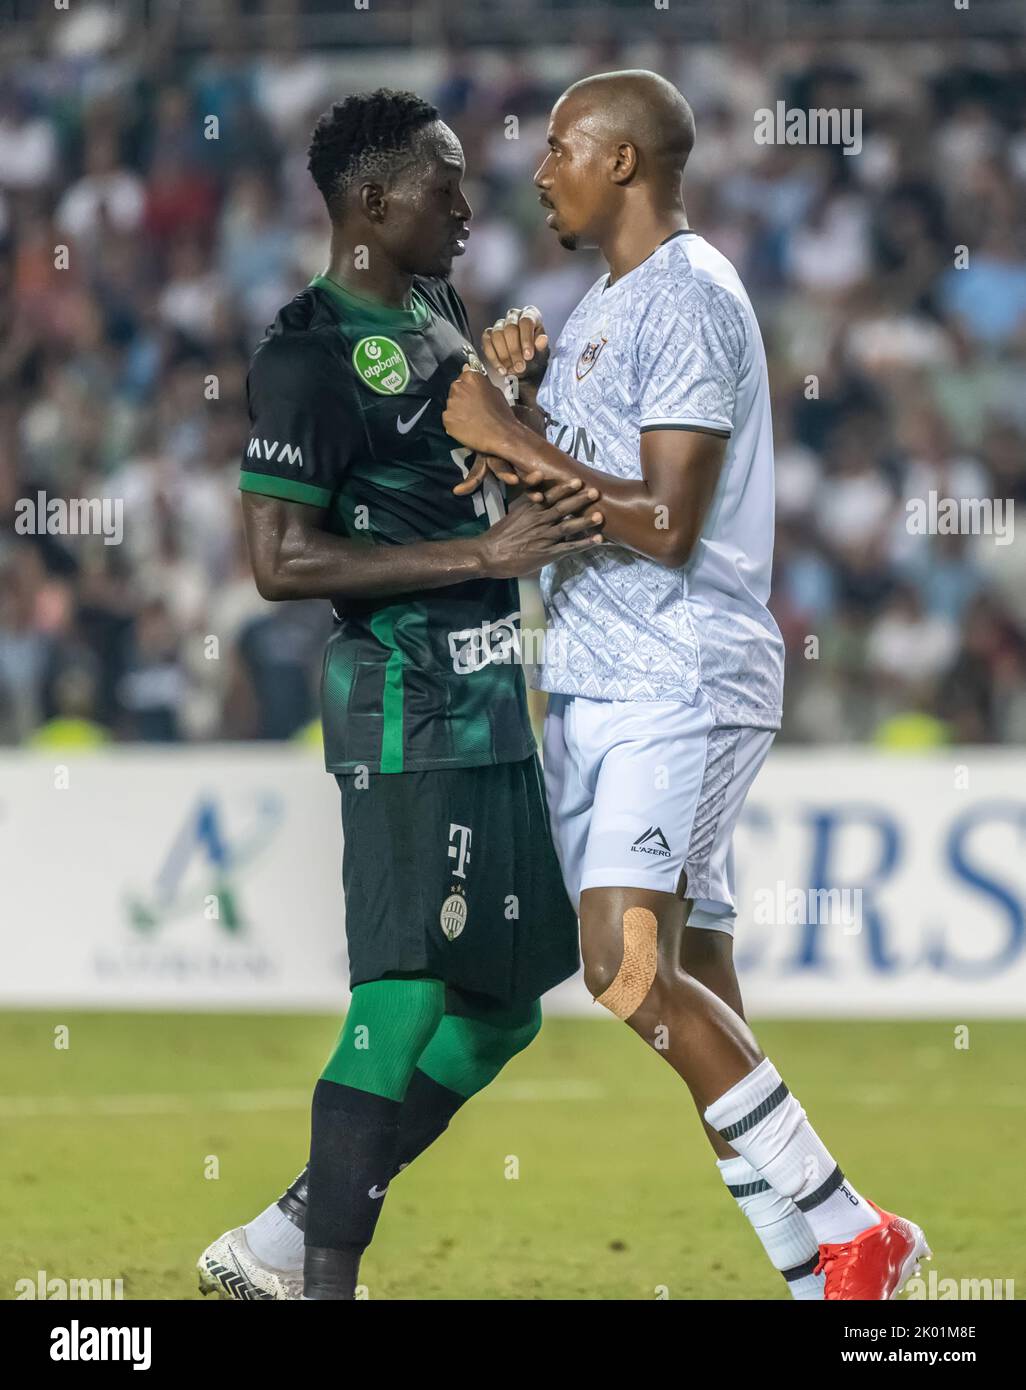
[[783, 1232], [760, 1118], [354, 1134], [463, 1056], [715, 1053], [276, 1235], [353, 1140]]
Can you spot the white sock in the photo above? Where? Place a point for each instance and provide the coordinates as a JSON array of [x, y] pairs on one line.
[[780, 1226], [275, 1240], [762, 1120]]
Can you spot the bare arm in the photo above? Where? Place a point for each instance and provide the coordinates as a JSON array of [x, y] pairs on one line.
[[294, 557], [660, 515]]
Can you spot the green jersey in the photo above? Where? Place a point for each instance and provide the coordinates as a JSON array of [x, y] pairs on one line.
[[346, 399]]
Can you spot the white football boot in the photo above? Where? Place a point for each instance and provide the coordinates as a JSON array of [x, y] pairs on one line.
[[229, 1269]]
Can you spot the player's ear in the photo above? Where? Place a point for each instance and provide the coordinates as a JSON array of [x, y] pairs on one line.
[[625, 162], [372, 200]]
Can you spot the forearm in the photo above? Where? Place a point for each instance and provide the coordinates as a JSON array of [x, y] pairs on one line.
[[634, 516], [320, 565], [529, 413]]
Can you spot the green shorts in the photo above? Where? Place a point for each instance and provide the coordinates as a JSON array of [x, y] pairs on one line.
[[452, 874]]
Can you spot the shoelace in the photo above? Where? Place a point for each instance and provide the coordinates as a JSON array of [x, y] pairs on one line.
[[830, 1254], [828, 1257]]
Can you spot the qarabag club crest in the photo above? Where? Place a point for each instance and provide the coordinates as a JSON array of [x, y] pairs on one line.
[[589, 357]]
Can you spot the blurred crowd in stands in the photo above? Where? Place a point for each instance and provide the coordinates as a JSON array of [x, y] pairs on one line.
[[890, 285]]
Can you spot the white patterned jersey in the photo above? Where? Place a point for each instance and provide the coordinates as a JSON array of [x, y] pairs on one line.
[[673, 344]]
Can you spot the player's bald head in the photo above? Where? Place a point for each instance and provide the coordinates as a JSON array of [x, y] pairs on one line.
[[618, 142], [637, 107]]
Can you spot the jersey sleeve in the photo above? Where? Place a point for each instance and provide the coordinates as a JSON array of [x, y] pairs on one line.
[[304, 423], [690, 348]]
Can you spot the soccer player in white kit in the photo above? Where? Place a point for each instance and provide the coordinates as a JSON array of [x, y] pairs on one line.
[[663, 664]]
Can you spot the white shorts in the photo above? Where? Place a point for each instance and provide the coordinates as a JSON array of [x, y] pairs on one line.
[[642, 792]]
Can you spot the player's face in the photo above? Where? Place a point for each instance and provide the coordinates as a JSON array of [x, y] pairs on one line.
[[428, 215], [572, 182]]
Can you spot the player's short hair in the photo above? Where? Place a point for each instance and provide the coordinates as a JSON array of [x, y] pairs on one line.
[[368, 134]]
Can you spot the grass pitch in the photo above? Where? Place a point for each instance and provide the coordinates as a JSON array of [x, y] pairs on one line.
[[581, 1173]]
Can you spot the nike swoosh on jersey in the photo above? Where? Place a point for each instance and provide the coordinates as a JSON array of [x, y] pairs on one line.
[[404, 426]]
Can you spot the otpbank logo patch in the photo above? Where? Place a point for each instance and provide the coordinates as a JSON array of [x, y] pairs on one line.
[[381, 364]]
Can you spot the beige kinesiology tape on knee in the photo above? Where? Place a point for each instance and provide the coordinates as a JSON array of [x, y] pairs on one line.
[[638, 968]]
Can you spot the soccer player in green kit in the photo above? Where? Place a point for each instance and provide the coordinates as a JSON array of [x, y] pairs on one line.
[[456, 915]]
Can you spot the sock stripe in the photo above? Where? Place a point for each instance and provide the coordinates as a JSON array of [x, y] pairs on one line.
[[822, 1192], [747, 1189], [753, 1117], [801, 1271]]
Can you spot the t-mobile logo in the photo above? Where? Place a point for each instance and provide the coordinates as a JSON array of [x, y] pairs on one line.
[[460, 851]]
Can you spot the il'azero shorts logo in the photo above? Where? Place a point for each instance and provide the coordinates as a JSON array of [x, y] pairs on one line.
[[381, 364], [653, 841]]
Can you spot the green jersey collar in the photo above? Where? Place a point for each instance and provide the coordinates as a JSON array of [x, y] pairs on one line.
[[370, 310]]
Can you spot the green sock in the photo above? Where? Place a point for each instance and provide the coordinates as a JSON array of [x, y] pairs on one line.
[[354, 1132], [389, 1024], [467, 1053]]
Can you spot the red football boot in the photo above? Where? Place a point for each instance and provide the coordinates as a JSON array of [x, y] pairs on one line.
[[875, 1264]]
